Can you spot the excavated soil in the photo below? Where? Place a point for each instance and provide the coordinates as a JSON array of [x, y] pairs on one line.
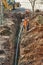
[[7, 33], [31, 46]]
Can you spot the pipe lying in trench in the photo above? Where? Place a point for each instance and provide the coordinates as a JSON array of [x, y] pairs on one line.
[[17, 48]]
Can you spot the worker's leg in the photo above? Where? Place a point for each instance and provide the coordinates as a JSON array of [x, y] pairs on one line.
[[24, 28], [27, 27]]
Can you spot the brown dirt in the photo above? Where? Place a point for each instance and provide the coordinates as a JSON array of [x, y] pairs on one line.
[[31, 46]]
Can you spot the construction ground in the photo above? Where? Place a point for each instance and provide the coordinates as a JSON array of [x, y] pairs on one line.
[[18, 46]]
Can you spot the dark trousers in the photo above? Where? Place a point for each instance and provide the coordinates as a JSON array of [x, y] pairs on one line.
[[27, 27]]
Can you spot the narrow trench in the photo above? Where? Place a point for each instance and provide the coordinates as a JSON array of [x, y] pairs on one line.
[[18, 44], [17, 32]]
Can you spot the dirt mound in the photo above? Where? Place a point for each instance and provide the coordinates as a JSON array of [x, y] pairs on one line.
[[8, 30], [31, 46]]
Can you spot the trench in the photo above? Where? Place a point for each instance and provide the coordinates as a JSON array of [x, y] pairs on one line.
[[15, 43], [18, 38]]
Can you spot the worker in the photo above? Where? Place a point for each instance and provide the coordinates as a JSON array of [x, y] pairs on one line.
[[26, 24]]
